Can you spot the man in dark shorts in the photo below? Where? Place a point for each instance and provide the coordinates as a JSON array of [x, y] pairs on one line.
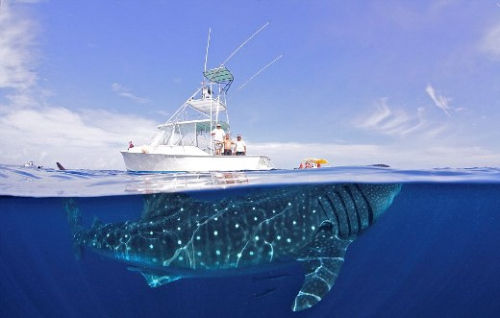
[[228, 144], [240, 146]]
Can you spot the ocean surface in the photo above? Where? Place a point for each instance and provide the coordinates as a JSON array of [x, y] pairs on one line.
[[433, 252]]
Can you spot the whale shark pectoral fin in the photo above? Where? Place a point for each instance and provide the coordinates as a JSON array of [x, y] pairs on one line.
[[322, 260], [159, 280], [155, 279]]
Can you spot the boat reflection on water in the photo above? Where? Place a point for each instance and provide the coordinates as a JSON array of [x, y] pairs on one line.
[[174, 182], [192, 234]]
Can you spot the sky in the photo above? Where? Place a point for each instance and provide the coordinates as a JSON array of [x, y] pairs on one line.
[[412, 84]]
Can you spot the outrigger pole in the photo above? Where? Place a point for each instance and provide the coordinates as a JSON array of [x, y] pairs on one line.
[[244, 43], [260, 71], [206, 52]]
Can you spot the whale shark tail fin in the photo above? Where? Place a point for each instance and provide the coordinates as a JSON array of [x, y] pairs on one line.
[[75, 223], [322, 261]]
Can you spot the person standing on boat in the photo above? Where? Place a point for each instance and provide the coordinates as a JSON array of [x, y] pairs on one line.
[[241, 146], [228, 145], [218, 136]]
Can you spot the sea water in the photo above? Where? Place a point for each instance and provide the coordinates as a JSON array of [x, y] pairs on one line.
[[434, 253]]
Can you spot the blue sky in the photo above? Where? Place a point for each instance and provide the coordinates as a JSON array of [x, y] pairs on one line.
[[408, 83]]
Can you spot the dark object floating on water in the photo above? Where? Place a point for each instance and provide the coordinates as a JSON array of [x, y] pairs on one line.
[[381, 165], [30, 164], [180, 236], [60, 166]]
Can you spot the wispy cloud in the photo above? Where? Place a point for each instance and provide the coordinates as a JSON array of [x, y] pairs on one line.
[[79, 139], [17, 35], [84, 138], [438, 6], [122, 91], [441, 102], [391, 122], [490, 42]]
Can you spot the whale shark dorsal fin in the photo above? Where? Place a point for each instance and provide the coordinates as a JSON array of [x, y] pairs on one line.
[[155, 279], [322, 260]]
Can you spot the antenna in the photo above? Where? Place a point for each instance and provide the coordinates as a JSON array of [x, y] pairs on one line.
[[206, 52], [260, 71], [244, 43]]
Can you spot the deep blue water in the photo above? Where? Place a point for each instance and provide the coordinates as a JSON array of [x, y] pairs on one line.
[[434, 253]]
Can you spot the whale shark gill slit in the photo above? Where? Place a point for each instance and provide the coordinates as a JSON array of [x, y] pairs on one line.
[[180, 235], [369, 208]]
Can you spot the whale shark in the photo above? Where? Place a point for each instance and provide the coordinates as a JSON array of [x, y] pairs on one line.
[[182, 235]]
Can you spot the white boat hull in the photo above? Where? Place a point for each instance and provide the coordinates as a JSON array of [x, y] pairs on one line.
[[167, 162]]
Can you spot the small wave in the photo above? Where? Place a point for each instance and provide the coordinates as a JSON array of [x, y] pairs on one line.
[[33, 182]]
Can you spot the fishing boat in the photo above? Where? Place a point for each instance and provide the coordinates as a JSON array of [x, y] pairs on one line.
[[185, 142]]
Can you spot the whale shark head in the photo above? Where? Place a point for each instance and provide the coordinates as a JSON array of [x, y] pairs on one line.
[[380, 196]]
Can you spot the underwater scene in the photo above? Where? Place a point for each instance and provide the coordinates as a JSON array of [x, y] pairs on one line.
[[329, 242]]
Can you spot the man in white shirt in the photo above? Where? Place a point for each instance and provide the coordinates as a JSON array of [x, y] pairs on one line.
[[241, 147], [218, 135]]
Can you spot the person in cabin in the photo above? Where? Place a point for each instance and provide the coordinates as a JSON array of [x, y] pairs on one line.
[[206, 92], [130, 145], [228, 145], [240, 146], [218, 135]]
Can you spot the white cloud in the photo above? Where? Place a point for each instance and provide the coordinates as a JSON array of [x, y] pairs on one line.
[[16, 49], [125, 92], [84, 139], [44, 134], [441, 102], [391, 122], [92, 139], [438, 6], [490, 43]]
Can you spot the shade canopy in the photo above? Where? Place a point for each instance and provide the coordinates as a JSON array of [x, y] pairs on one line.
[[219, 75]]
